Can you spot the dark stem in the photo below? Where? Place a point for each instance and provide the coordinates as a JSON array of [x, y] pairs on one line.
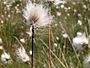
[[32, 42], [50, 65]]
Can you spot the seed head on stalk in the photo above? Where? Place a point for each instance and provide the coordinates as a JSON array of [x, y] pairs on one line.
[[36, 14]]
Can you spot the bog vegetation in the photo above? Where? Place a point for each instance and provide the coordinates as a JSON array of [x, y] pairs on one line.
[[61, 33]]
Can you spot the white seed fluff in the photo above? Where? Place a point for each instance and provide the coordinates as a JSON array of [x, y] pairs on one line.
[[79, 40], [37, 14], [5, 57], [21, 53]]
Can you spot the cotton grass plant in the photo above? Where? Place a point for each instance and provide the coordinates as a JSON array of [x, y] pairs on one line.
[[36, 16], [5, 57], [53, 47], [40, 18]]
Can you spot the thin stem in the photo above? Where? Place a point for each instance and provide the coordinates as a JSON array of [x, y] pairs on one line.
[[32, 42], [53, 54], [50, 65], [18, 41], [61, 25]]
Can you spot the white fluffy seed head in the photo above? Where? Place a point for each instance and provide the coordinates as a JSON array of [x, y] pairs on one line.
[[21, 53], [65, 35], [2, 21], [6, 58], [79, 40], [79, 22], [86, 61], [58, 14], [84, 6], [55, 44], [57, 2], [1, 47], [79, 34], [62, 6], [30, 52], [57, 38], [5, 2], [22, 40], [36, 14]]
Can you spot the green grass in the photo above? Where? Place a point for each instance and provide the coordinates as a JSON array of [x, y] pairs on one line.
[[62, 56]]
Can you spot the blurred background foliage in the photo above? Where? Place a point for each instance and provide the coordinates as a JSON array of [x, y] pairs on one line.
[[65, 20]]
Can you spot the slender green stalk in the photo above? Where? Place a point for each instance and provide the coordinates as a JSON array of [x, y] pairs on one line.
[[53, 54]]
